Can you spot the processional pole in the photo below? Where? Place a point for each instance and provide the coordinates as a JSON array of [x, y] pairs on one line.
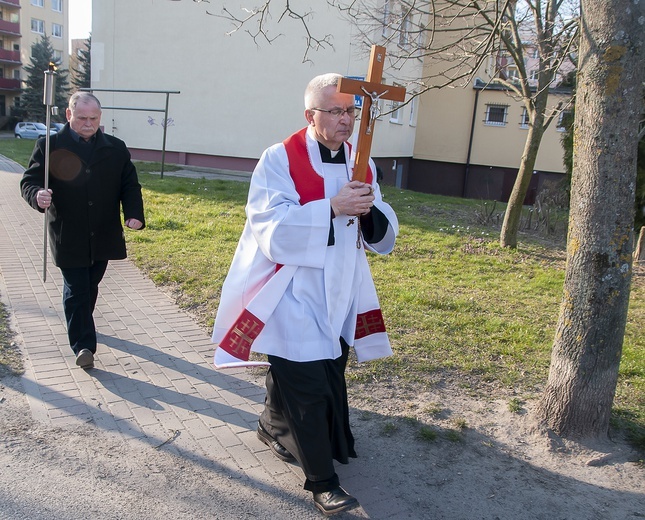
[[48, 101]]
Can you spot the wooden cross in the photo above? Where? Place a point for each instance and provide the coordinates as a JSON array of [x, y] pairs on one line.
[[372, 90]]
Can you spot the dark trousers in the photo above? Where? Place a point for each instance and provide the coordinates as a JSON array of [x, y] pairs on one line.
[[80, 291], [306, 410]]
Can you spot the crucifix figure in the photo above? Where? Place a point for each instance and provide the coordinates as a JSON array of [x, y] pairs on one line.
[[372, 91]]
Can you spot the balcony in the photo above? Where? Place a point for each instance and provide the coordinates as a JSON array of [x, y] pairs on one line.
[[14, 3], [12, 57], [9, 84], [9, 28]]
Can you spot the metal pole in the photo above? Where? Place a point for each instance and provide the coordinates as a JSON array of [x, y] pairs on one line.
[[48, 100], [165, 127]]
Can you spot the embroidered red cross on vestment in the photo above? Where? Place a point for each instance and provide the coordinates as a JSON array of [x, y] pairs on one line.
[[369, 322], [237, 341]]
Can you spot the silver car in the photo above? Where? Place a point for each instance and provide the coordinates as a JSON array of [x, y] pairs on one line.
[[31, 130]]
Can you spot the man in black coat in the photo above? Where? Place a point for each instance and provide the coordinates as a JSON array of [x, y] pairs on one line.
[[91, 176]]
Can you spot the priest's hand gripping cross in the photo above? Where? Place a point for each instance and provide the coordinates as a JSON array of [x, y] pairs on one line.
[[372, 90]]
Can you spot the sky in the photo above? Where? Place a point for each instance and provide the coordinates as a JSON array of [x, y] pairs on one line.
[[80, 19]]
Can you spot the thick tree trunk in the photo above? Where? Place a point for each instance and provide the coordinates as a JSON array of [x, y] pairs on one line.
[[587, 348], [513, 214]]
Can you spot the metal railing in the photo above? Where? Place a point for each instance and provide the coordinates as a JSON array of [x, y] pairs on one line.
[[164, 110]]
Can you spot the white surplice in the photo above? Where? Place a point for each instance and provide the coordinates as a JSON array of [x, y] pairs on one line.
[[327, 285]]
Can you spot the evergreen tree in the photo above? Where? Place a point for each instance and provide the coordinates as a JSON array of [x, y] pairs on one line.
[[31, 99], [81, 72]]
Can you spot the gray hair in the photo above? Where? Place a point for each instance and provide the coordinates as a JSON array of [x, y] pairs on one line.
[[83, 97], [317, 84]]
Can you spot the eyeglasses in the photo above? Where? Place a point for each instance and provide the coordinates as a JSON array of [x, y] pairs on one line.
[[336, 113]]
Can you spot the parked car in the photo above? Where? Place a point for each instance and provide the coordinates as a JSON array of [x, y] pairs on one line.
[[57, 126], [30, 130]]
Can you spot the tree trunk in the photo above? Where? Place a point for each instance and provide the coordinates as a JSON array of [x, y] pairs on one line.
[[588, 343], [639, 254], [513, 214]]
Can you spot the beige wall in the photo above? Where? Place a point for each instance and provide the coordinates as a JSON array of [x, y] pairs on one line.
[[444, 131], [237, 98]]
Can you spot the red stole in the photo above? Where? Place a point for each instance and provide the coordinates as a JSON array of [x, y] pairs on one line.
[[309, 185]]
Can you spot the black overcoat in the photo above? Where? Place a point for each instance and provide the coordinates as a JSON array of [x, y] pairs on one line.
[[84, 217]]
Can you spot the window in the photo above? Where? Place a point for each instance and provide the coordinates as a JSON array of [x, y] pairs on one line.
[[533, 75], [397, 111], [16, 74], [413, 111], [513, 74], [395, 116], [524, 122], [404, 29], [565, 120], [57, 5], [57, 30], [37, 26], [496, 115], [38, 3], [58, 56], [386, 18]]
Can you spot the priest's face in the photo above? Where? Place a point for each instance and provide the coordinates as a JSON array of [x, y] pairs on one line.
[[330, 129]]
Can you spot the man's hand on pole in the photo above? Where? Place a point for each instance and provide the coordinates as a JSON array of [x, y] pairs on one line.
[[44, 198]]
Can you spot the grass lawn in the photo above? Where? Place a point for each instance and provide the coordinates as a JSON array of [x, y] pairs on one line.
[[455, 303]]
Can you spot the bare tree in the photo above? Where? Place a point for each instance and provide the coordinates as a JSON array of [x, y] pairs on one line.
[[589, 337]]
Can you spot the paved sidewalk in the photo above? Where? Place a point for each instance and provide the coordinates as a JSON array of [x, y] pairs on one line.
[[153, 382]]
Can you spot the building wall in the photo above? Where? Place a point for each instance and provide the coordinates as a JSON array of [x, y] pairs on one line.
[[22, 13], [236, 97], [48, 16], [457, 153]]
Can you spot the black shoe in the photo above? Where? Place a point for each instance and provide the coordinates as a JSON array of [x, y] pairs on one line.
[[85, 359], [278, 449], [334, 501]]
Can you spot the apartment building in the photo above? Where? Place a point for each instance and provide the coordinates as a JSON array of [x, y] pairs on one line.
[[23, 23], [233, 97]]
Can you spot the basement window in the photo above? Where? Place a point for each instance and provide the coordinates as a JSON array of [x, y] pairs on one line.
[[496, 115]]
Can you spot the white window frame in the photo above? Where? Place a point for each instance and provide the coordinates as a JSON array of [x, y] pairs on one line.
[[57, 30], [559, 126], [512, 73], [40, 24], [38, 3], [58, 56], [524, 121], [57, 6], [397, 111], [387, 12], [413, 112], [488, 121], [404, 29]]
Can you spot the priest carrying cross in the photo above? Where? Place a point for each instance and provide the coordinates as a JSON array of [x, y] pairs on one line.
[[300, 289]]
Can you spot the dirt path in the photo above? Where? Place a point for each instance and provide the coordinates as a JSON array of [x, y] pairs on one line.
[[497, 467]]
